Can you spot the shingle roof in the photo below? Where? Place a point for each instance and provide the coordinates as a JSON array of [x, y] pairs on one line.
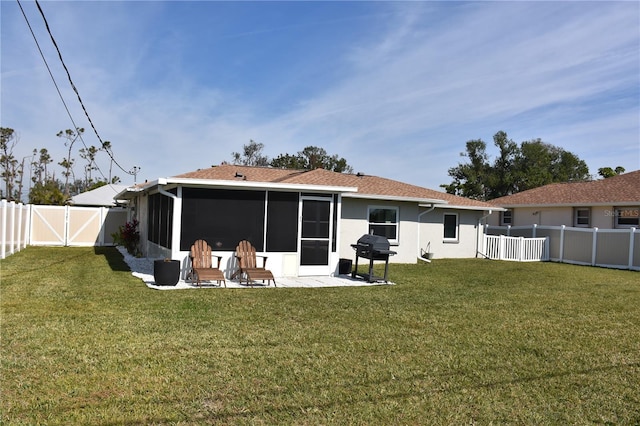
[[620, 189], [367, 185]]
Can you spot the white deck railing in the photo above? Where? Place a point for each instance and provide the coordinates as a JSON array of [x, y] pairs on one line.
[[520, 249]]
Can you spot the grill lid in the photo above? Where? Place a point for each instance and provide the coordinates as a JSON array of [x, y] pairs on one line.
[[373, 243]]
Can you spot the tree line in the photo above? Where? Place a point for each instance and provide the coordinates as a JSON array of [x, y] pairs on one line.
[[516, 168], [311, 157], [46, 188]]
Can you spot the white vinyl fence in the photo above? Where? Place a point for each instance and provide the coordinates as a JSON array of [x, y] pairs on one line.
[[609, 248], [520, 249], [22, 225]]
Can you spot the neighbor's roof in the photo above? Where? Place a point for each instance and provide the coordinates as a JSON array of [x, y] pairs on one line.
[[367, 186], [102, 196], [622, 189]]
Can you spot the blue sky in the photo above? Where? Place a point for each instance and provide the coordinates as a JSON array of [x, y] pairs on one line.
[[397, 88]]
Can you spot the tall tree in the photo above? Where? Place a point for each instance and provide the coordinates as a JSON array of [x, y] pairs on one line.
[[471, 179], [8, 162], [89, 155], [503, 177], [532, 164], [70, 136], [39, 165], [251, 155]]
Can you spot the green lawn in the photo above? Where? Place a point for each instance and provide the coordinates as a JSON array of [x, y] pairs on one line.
[[454, 342]]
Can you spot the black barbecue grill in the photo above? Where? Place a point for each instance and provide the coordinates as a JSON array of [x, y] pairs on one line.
[[372, 247]]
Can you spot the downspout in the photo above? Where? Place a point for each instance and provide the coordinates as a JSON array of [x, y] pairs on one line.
[[478, 233], [433, 206]]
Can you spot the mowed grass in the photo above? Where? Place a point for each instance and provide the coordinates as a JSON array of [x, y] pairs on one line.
[[453, 342]]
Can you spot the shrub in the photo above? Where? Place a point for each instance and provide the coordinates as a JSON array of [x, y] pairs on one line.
[[128, 236]]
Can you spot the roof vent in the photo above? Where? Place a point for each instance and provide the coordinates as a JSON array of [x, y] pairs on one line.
[[240, 175], [360, 174]]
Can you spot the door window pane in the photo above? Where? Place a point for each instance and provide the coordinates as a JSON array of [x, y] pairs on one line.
[[315, 219], [314, 252]]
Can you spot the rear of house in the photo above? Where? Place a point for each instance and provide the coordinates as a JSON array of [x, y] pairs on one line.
[[304, 221]]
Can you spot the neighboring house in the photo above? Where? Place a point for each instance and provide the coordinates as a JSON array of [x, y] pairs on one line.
[[305, 221], [610, 203], [103, 196]]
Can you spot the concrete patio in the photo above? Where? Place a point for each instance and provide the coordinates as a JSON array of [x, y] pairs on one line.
[[143, 268]]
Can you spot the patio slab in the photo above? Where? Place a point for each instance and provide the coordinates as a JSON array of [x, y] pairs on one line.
[[143, 268]]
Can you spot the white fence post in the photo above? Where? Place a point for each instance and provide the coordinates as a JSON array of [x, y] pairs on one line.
[[594, 243], [561, 254], [520, 248], [631, 246], [546, 254], [3, 229]]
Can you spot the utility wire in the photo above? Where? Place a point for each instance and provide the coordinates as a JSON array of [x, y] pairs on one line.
[[66, 107], [105, 147]]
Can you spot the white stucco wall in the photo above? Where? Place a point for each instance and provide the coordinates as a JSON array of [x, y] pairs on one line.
[[601, 216], [355, 223], [432, 233], [411, 237]]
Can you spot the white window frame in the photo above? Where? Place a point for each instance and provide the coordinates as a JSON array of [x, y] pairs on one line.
[[395, 241], [577, 216], [626, 213], [503, 219], [457, 236]]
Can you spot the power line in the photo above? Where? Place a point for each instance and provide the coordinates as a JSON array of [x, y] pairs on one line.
[[105, 147]]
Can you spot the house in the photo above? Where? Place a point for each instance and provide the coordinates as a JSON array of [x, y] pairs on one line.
[[103, 196], [304, 221], [610, 203]]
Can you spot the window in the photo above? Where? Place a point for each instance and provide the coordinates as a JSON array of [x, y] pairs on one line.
[[384, 221], [451, 227], [581, 217], [627, 217], [506, 218]]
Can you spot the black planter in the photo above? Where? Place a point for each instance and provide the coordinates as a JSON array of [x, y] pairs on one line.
[[166, 272]]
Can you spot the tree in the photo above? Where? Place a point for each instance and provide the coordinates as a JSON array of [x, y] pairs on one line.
[[503, 177], [8, 162], [40, 173], [310, 158], [607, 172], [71, 137], [89, 155], [470, 180], [251, 155], [532, 164], [47, 193]]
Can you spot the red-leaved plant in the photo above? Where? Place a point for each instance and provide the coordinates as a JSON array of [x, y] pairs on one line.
[[128, 236]]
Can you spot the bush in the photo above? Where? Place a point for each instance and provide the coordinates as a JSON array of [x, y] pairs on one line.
[[128, 236]]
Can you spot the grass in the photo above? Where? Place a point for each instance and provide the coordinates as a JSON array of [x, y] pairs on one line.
[[454, 342]]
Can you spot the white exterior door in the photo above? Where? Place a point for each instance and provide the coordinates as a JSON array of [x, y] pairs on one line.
[[315, 235]]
